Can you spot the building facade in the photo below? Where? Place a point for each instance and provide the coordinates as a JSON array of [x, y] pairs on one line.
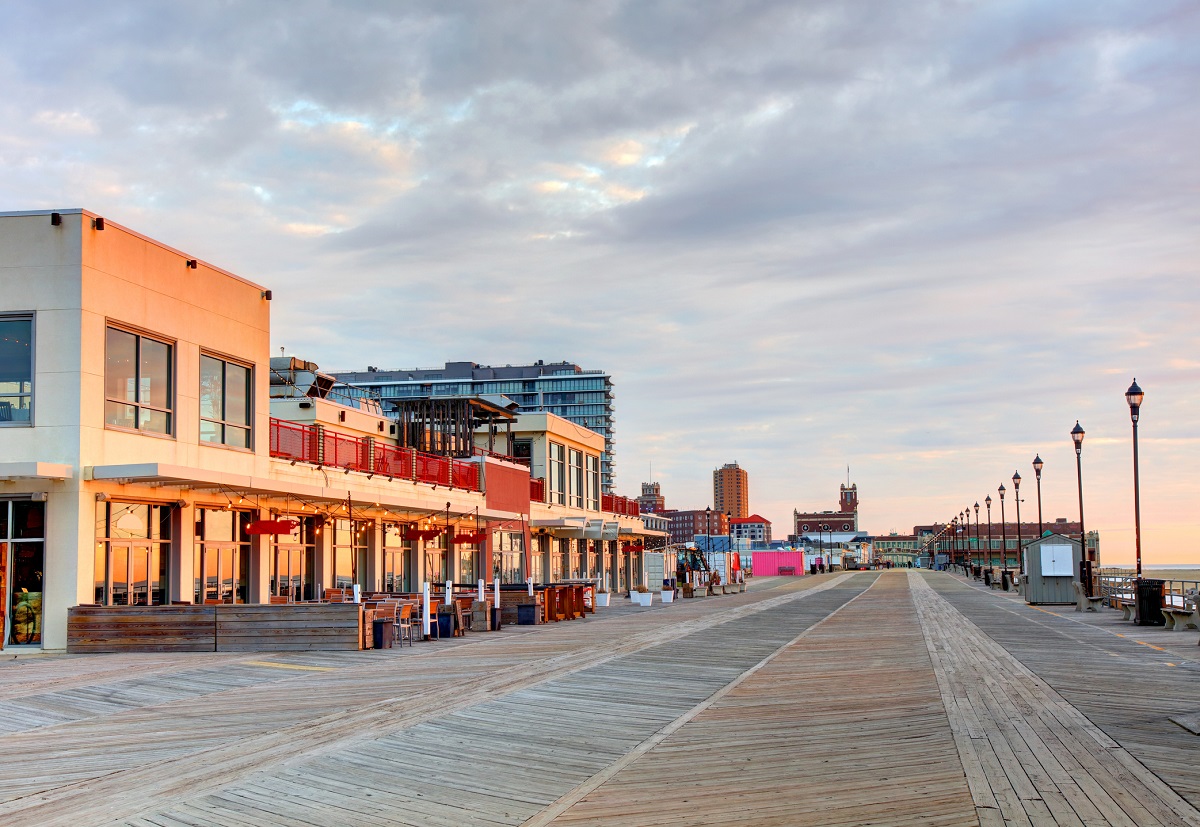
[[584, 397], [755, 529], [845, 518], [147, 459], [731, 490], [685, 525], [651, 501]]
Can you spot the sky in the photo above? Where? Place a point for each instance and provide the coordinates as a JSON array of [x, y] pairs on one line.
[[916, 240]]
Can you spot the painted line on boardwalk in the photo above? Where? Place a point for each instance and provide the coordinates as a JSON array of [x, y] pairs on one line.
[[574, 796]]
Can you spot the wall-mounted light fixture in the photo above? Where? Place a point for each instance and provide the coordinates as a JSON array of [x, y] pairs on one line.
[[266, 294], [98, 223], [56, 219], [190, 264]]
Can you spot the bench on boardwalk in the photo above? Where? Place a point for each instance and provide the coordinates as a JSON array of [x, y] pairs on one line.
[[1181, 618], [1083, 602], [1126, 605]]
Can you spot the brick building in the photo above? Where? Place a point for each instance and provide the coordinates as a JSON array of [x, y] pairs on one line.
[[731, 490], [685, 525], [845, 518]]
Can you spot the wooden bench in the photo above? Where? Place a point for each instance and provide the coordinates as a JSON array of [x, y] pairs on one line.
[[1083, 602], [787, 571]]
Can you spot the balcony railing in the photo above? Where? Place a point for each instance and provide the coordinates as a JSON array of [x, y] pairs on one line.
[[483, 452], [314, 445], [537, 489], [615, 504]]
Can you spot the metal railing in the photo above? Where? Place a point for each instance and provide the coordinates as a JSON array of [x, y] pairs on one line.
[[537, 489], [616, 504], [314, 445]]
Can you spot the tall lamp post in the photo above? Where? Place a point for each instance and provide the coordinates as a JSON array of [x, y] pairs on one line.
[[1003, 540], [1077, 437], [977, 530], [1037, 472], [1017, 497], [1134, 397], [988, 502]]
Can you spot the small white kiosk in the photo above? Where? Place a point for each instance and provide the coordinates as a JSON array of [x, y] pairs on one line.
[[1051, 568]]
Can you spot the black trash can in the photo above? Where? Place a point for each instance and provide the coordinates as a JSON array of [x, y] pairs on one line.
[[1150, 603], [382, 633], [526, 614], [1005, 580], [445, 621], [987, 577], [496, 618]]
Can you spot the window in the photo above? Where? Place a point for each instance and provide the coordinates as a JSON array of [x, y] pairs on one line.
[[349, 553], [558, 474], [16, 370], [508, 561], [133, 549], [22, 561], [138, 382], [593, 483], [293, 560], [225, 394], [221, 556], [397, 560], [575, 480]]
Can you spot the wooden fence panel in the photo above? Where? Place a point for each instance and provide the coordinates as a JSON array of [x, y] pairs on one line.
[[141, 629], [296, 627]]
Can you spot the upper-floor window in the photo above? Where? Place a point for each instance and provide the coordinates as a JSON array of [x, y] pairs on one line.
[[16, 369], [558, 473], [139, 381], [575, 478], [593, 482], [225, 394]]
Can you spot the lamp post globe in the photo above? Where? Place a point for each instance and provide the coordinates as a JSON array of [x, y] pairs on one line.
[[1134, 397], [1037, 472]]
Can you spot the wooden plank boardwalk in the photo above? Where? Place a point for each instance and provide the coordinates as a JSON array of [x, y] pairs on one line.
[[839, 699]]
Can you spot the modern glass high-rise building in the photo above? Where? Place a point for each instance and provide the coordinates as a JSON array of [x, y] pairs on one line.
[[584, 397]]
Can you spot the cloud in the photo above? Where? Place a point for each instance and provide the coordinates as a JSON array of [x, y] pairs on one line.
[[920, 240]]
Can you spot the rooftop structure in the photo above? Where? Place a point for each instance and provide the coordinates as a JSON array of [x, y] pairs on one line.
[[584, 397]]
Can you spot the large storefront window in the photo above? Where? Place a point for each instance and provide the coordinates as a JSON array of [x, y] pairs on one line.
[[397, 560], [16, 369], [468, 565], [222, 556], [350, 553], [293, 561], [22, 562], [508, 558], [538, 559], [435, 560], [593, 483], [591, 563], [138, 382], [133, 553]]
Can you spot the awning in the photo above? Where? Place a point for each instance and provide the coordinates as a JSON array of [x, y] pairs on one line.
[[397, 496], [35, 471]]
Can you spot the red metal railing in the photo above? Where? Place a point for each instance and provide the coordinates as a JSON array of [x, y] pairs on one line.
[[483, 452], [345, 451], [394, 462], [432, 469], [464, 475], [615, 504], [290, 441], [307, 443], [537, 489]]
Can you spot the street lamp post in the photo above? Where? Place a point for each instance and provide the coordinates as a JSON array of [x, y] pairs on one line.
[[1037, 472], [1017, 497], [977, 530], [1077, 437], [988, 502], [1134, 397], [1003, 540]]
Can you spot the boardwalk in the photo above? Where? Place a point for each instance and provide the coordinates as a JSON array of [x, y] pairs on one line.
[[893, 698]]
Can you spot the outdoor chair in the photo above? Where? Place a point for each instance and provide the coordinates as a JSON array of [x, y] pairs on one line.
[[404, 623]]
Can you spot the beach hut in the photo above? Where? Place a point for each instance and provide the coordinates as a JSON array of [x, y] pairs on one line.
[[1051, 568]]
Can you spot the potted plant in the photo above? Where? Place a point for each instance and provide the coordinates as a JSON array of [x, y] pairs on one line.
[[641, 595], [601, 597], [668, 594]]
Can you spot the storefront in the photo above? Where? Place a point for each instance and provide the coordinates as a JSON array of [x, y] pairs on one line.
[[22, 562]]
